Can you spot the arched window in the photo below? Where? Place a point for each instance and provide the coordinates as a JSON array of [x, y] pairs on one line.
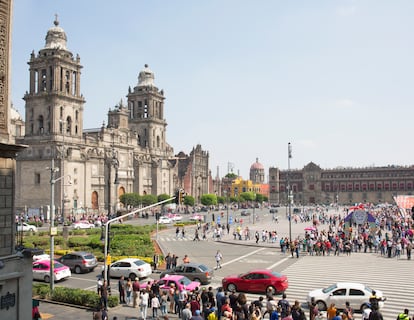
[[40, 124]]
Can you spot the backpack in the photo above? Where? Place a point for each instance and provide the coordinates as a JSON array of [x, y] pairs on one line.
[[212, 316], [284, 306]]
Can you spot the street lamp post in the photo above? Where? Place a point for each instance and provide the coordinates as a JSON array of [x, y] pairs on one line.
[[53, 229], [290, 198], [113, 162], [226, 193], [106, 245], [62, 127]]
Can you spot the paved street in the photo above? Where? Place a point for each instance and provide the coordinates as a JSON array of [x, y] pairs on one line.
[[306, 273]]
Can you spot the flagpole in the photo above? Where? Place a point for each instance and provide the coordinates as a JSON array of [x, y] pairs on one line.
[[289, 192]]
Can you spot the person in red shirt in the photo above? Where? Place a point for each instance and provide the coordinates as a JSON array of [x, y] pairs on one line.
[[226, 310]]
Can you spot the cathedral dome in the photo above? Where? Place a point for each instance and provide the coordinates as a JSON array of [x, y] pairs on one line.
[[56, 37], [146, 77], [257, 165]]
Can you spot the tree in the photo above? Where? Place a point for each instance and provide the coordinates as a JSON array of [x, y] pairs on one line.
[[163, 197], [231, 175], [189, 201], [248, 196], [259, 197], [221, 199], [208, 199], [130, 199], [149, 199]]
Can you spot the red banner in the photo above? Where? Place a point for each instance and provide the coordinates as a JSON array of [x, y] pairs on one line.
[[405, 202]]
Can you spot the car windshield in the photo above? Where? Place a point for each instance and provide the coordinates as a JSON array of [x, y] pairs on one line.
[[329, 289], [203, 267], [277, 274], [139, 262], [368, 289], [185, 280], [88, 256], [58, 265]]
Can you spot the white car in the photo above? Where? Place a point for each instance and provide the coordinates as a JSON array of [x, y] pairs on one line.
[[41, 271], [356, 293], [197, 217], [175, 217], [130, 268], [39, 257], [26, 227], [164, 220], [83, 224]]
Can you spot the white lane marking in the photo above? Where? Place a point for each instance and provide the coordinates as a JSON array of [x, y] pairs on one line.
[[277, 263], [241, 257]]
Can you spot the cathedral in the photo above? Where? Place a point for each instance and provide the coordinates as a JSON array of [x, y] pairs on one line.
[[91, 168]]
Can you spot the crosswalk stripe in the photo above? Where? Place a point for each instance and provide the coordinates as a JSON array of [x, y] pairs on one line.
[[387, 275], [391, 276]]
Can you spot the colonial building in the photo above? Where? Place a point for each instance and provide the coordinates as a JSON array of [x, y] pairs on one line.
[[194, 174], [344, 186], [15, 267], [128, 154]]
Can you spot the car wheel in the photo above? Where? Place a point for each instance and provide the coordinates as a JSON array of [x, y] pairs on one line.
[[132, 276], [47, 279], [78, 269], [321, 305], [272, 289], [231, 287]]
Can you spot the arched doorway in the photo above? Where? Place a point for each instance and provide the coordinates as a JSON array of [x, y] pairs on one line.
[[121, 191], [95, 200]]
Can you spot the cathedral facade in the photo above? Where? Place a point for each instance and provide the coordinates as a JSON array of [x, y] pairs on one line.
[[129, 154]]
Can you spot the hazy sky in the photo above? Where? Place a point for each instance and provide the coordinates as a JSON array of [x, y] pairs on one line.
[[244, 78]]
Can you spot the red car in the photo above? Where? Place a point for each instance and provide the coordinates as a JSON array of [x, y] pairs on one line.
[[256, 281]]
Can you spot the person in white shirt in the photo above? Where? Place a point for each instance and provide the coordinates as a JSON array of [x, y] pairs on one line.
[[155, 304], [144, 304], [218, 257]]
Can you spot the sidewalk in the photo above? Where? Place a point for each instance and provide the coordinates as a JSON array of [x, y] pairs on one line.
[[51, 310]]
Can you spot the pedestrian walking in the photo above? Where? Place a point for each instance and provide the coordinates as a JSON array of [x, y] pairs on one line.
[[174, 261], [128, 291], [144, 304], [104, 295], [155, 261], [155, 304], [404, 315], [121, 289], [135, 293], [218, 257], [168, 261]]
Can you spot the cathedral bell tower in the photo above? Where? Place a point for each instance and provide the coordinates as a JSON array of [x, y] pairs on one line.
[[146, 113], [54, 104]]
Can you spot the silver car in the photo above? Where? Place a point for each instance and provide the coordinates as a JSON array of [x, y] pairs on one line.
[[79, 261]]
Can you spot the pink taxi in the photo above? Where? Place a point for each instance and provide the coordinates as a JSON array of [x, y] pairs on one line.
[[178, 281]]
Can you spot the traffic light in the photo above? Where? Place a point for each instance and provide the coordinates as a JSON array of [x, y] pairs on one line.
[[182, 196], [177, 196]]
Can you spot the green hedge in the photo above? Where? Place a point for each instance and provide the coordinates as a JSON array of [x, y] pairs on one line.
[[125, 240], [74, 296]]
